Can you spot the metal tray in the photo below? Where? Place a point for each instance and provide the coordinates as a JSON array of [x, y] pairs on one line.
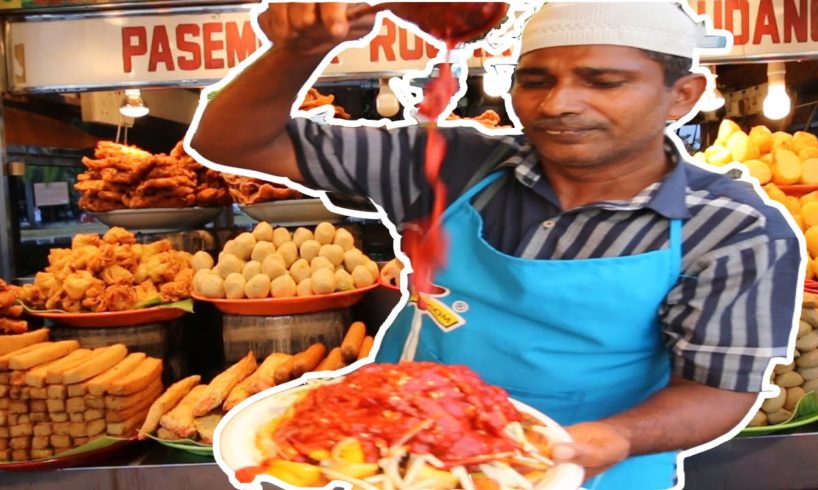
[[292, 212], [159, 218]]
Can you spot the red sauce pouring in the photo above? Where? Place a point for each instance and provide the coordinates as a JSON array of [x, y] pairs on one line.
[[446, 411], [453, 22]]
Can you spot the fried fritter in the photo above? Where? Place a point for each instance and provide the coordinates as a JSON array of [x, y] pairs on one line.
[[118, 235]]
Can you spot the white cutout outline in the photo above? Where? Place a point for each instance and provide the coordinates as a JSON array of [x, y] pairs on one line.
[[495, 44]]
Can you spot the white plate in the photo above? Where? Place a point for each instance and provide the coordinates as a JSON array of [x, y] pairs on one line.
[[291, 212], [235, 447], [159, 218]]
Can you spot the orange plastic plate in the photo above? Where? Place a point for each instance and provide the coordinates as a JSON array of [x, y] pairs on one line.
[[128, 318], [288, 306]]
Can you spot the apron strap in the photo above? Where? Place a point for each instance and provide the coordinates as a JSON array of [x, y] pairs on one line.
[[483, 199]]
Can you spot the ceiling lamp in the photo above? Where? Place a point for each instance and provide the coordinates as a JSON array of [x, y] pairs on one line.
[[386, 103], [133, 105], [777, 103], [713, 99]]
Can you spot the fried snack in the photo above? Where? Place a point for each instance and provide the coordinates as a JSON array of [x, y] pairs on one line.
[[117, 298], [366, 347], [113, 402], [333, 361], [166, 435], [221, 385], [38, 376], [180, 419], [166, 402], [239, 393], [11, 343], [206, 426], [126, 413], [44, 353], [127, 427], [353, 340], [98, 385], [264, 377], [284, 371], [101, 360], [309, 359], [143, 375], [4, 359]]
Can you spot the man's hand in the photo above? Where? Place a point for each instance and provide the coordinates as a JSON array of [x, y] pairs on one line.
[[597, 446], [313, 28]]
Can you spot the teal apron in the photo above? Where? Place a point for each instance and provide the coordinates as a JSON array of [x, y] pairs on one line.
[[577, 339]]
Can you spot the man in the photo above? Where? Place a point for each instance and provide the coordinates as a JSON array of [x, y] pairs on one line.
[[602, 278]]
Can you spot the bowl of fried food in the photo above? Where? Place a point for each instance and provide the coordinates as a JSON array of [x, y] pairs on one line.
[[111, 281], [129, 187], [273, 271], [399, 426]]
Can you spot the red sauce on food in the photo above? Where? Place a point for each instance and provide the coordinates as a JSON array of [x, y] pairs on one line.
[[463, 417], [248, 474]]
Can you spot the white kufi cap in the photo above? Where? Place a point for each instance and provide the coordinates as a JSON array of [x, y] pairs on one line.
[[663, 27]]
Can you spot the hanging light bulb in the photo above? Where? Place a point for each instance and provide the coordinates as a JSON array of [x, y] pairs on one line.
[[133, 105], [777, 103], [713, 99], [386, 103]]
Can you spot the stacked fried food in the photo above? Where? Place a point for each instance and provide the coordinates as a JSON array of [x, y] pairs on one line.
[[191, 410], [314, 99], [211, 188], [489, 119], [110, 273], [10, 311], [247, 190], [111, 175], [126, 177], [55, 396]]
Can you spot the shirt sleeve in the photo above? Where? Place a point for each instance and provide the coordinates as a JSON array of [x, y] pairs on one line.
[[385, 165], [727, 320]]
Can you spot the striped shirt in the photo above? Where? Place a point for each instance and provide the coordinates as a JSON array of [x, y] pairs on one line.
[[732, 308]]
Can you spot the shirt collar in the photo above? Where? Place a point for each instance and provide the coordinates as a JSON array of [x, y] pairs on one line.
[[666, 197]]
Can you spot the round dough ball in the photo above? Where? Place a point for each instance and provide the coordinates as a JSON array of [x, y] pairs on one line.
[[373, 267], [201, 260], [301, 235], [323, 281], [353, 258], [305, 288], [274, 266], [283, 287], [263, 232], [309, 249], [199, 278], [258, 287], [325, 233], [335, 253], [281, 236], [212, 286], [344, 238], [262, 250], [300, 270], [229, 248], [321, 263], [251, 269], [244, 244], [228, 264], [343, 280], [362, 277], [289, 252], [234, 286]]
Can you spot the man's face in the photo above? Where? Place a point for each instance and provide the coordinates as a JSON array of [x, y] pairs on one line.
[[584, 106]]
